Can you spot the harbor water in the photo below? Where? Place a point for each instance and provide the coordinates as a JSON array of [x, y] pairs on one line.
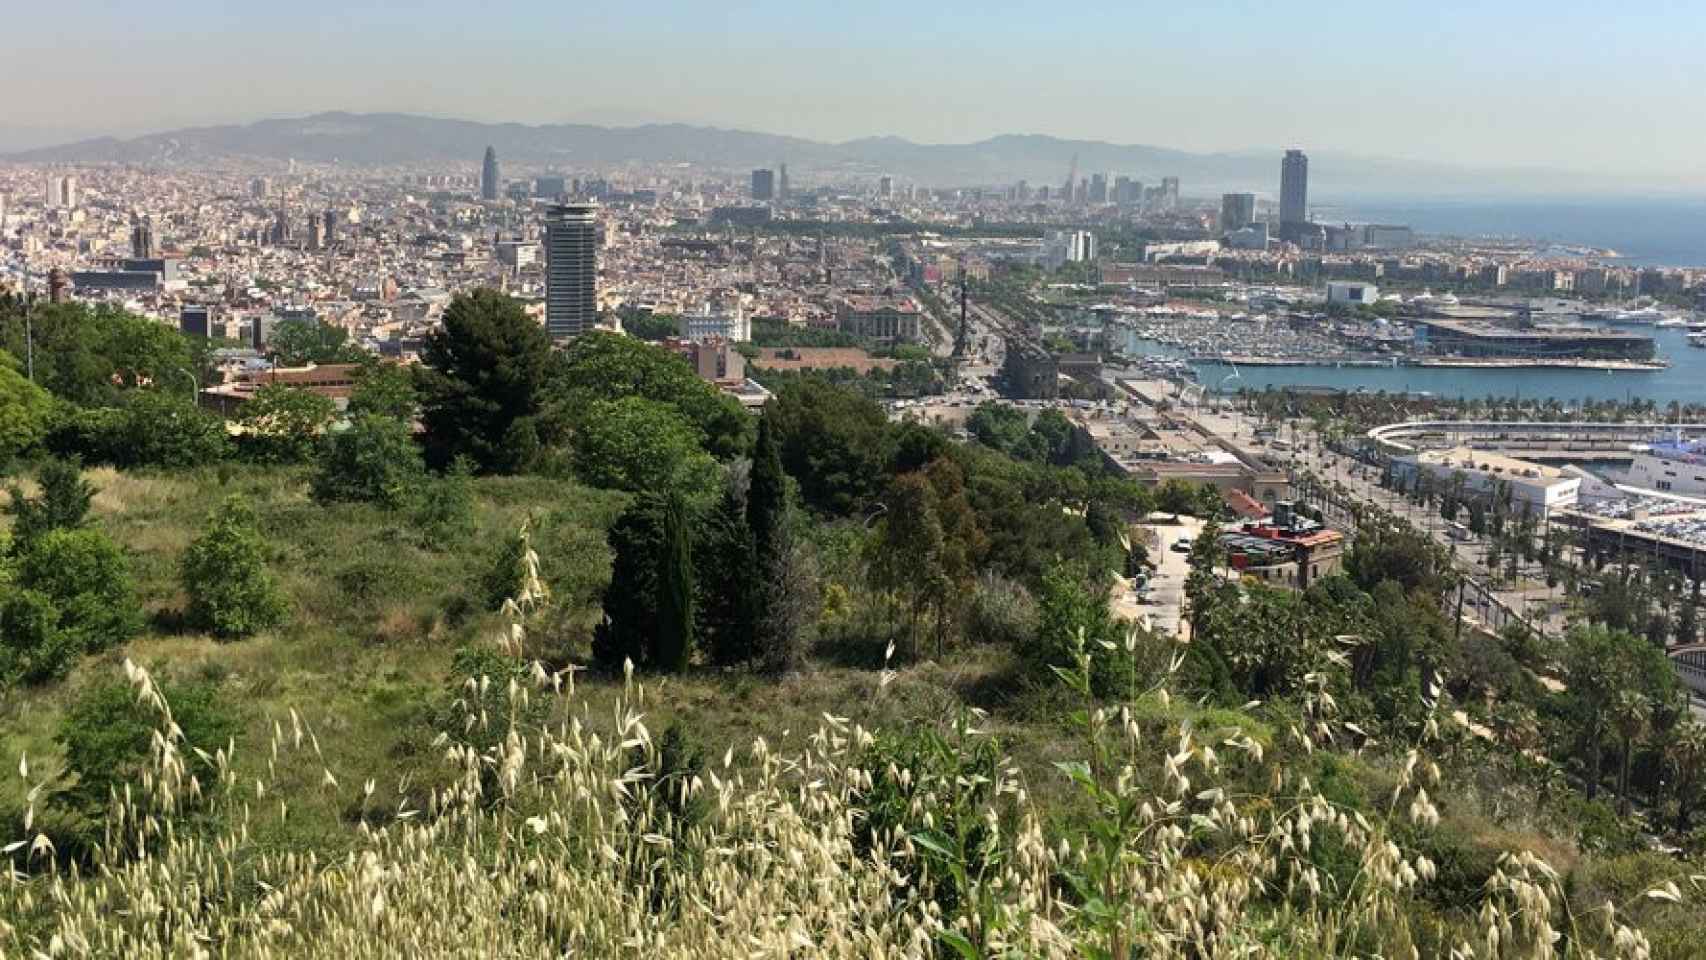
[[1684, 381]]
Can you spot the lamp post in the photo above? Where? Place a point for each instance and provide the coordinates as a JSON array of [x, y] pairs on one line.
[[195, 385]]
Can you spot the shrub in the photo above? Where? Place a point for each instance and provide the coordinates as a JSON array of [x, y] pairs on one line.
[[33, 649], [25, 411], [283, 424], [106, 734], [87, 579], [151, 429], [1001, 611], [223, 571], [444, 512], [374, 461], [64, 502]]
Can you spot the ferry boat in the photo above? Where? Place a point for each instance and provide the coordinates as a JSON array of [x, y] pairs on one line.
[[1672, 465]]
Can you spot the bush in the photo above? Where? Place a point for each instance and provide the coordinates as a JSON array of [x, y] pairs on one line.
[[32, 647], [444, 512], [83, 574], [64, 502], [374, 461], [106, 735], [25, 411], [224, 573], [1001, 611], [152, 429], [283, 424]]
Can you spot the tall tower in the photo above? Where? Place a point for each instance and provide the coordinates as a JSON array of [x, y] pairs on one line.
[[783, 190], [571, 269], [1294, 194], [1237, 211], [489, 176], [142, 238], [763, 185]]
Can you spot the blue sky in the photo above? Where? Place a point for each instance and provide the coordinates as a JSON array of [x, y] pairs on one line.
[[1510, 82]]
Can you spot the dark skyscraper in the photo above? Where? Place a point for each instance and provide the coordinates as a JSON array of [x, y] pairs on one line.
[[1294, 194], [1237, 211], [763, 185], [142, 238], [489, 176], [571, 269]]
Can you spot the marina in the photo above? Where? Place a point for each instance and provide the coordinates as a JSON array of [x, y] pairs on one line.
[[1683, 381]]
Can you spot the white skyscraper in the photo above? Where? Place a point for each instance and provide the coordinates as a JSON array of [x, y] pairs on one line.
[[571, 269]]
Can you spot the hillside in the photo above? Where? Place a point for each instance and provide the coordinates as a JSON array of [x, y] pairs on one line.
[[384, 139], [538, 652]]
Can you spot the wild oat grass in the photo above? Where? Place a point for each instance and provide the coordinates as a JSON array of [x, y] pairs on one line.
[[565, 840]]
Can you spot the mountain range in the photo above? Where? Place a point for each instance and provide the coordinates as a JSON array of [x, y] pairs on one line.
[[381, 139]]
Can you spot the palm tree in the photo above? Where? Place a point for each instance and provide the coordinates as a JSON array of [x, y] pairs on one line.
[[1630, 713], [1687, 755]]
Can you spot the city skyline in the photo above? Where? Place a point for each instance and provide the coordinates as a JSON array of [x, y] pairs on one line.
[[1499, 103]]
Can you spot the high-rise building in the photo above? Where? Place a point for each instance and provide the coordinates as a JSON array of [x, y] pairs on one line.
[[571, 269], [783, 189], [316, 233], [550, 187], [763, 185], [1294, 194], [885, 187], [60, 192], [489, 175], [142, 238], [1237, 211], [1170, 193], [1099, 188], [260, 187], [195, 320]]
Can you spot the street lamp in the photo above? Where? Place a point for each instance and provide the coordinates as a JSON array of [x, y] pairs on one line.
[[195, 385]]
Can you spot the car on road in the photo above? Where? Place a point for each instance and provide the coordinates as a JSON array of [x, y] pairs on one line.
[[1181, 545]]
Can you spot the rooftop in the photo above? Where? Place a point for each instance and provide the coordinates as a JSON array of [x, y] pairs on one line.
[[1471, 460]]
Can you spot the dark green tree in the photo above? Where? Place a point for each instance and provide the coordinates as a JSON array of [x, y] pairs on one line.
[[62, 505], [674, 648], [480, 382], [630, 621], [296, 343], [375, 460], [283, 424], [609, 367], [386, 389]]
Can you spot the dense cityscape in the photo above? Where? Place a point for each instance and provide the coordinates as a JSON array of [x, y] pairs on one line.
[[529, 553]]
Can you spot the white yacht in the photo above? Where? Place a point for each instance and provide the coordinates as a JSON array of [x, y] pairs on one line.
[[1669, 322]]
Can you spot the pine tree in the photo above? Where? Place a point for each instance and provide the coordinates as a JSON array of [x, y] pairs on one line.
[[674, 644], [63, 504]]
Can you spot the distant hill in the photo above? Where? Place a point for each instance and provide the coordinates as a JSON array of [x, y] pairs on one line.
[[386, 138]]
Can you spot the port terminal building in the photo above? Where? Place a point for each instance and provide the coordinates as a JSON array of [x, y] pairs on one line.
[[1542, 488], [1468, 338]]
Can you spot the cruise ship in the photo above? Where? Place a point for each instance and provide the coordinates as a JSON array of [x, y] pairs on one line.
[[1673, 465]]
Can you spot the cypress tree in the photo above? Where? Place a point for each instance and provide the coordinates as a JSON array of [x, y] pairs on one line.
[[630, 613], [674, 643], [767, 494]]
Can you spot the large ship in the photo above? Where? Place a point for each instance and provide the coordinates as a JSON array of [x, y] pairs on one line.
[[1672, 465]]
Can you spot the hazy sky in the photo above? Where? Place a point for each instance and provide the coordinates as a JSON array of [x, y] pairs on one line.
[[1556, 83]]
